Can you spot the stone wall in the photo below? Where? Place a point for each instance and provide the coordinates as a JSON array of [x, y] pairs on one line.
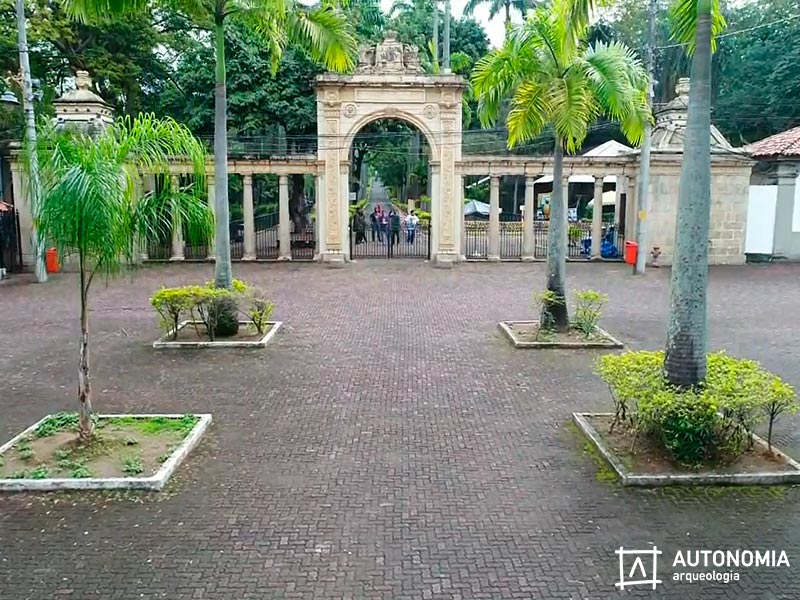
[[730, 181]]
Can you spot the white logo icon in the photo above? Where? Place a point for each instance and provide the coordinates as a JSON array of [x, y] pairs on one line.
[[633, 570]]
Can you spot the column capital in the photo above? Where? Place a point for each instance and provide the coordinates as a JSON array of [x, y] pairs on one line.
[[494, 179], [283, 179], [530, 180], [247, 177]]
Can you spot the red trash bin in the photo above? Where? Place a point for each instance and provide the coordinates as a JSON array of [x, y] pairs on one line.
[[51, 260], [631, 250]]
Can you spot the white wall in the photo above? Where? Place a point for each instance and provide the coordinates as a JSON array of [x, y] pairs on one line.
[[760, 230], [796, 211]]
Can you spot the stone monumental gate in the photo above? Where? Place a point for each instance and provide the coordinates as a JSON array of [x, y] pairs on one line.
[[389, 84]]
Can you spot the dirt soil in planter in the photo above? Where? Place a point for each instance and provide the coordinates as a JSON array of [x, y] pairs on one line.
[[650, 458], [246, 334], [529, 332], [120, 447]]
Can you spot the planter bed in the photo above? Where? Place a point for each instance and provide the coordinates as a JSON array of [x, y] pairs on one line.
[[649, 466], [523, 334], [191, 334], [126, 452]]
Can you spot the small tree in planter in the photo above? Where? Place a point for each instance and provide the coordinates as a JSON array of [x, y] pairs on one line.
[[90, 207]]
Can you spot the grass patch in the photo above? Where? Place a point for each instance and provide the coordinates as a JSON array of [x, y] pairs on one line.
[[155, 425], [58, 422], [132, 465], [604, 472]]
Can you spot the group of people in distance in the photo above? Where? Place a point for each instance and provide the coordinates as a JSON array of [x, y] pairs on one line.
[[385, 226]]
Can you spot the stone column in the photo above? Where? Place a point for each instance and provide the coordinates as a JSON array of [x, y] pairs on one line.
[[284, 232], [249, 218], [597, 217], [494, 219], [177, 226], [528, 244], [19, 182], [212, 195], [630, 210], [784, 210]]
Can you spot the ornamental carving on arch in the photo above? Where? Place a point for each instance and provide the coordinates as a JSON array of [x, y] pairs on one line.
[[350, 110], [429, 111]]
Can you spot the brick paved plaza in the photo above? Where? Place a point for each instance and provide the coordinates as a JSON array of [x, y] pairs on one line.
[[390, 444]]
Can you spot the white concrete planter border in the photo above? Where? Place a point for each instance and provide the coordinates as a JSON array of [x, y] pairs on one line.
[[165, 341], [154, 482], [629, 478], [507, 328]]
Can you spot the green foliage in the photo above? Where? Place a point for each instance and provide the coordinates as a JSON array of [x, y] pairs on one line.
[[713, 421], [24, 449], [40, 472], [156, 425], [171, 304], [555, 79], [588, 307], [81, 472], [58, 422], [545, 301], [19, 474], [132, 465], [130, 441], [257, 309], [575, 234], [224, 314]]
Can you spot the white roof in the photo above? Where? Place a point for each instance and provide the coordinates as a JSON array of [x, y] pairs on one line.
[[577, 179], [609, 199], [610, 148]]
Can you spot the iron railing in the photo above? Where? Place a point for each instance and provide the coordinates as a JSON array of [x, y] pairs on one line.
[[384, 243], [10, 242]]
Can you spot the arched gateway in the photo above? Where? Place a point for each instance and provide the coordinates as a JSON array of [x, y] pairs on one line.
[[389, 84]]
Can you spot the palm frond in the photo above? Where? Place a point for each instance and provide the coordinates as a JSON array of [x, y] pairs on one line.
[[325, 34], [98, 11], [530, 113], [684, 15]]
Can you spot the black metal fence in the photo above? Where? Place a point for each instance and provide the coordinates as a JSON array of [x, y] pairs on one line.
[[267, 244], [10, 242], [379, 243], [304, 242], [512, 235]]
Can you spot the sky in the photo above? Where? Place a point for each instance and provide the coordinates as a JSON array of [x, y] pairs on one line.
[[494, 28]]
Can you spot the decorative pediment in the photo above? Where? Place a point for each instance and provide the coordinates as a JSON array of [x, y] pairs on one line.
[[390, 56]]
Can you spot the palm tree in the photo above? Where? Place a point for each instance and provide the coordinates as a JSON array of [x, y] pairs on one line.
[[556, 80], [696, 22], [323, 31], [495, 6], [90, 206]]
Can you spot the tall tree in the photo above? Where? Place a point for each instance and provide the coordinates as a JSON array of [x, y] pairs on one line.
[[496, 6], [323, 31], [556, 80], [91, 209], [697, 22]]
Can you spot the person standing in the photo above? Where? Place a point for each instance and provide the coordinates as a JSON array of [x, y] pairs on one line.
[[394, 223], [411, 227], [375, 223], [383, 232], [360, 227]]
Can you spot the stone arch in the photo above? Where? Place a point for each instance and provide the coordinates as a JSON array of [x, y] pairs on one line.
[[388, 84]]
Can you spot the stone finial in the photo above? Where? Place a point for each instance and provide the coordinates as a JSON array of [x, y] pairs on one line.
[[682, 88], [83, 108]]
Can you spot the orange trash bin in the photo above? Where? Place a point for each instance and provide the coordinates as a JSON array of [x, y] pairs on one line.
[[51, 260], [631, 250]]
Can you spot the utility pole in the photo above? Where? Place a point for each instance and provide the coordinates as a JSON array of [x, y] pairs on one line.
[[446, 41], [30, 140], [644, 164]]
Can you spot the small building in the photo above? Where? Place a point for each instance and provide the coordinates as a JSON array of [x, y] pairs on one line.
[[773, 218]]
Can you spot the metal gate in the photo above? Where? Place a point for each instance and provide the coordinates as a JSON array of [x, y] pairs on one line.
[[10, 243], [381, 243]]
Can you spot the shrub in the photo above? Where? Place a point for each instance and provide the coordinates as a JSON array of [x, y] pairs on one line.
[[171, 304], [575, 234], [588, 305], [255, 306], [217, 309], [711, 422]]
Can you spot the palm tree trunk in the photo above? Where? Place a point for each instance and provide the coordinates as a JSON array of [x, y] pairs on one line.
[[85, 425], [557, 245], [223, 277], [687, 337], [508, 17]]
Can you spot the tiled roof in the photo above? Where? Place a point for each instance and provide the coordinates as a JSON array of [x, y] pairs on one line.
[[786, 143]]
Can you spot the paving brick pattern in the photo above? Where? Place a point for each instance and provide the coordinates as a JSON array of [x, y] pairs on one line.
[[389, 445]]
